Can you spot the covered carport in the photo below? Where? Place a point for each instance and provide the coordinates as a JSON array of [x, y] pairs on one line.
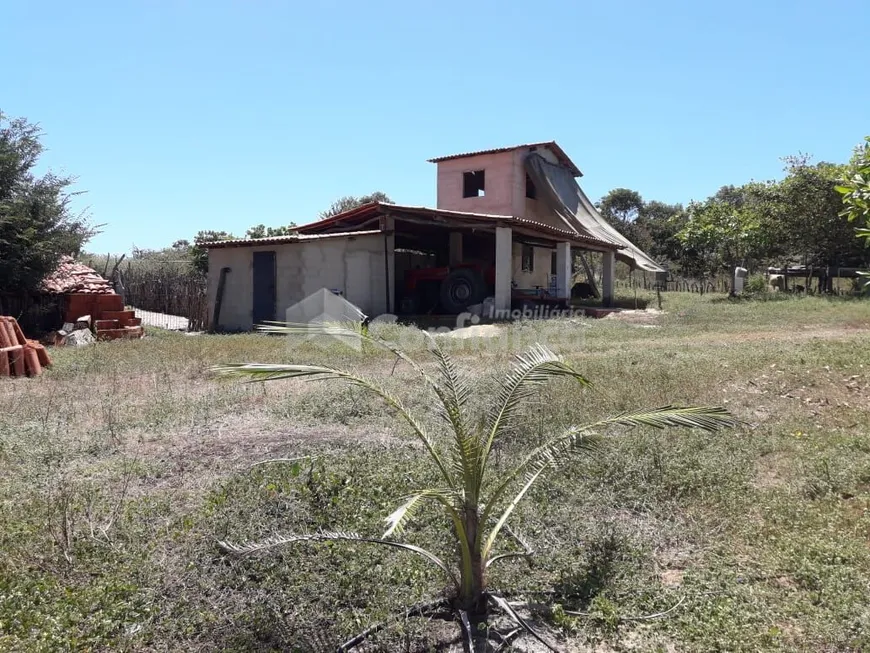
[[428, 244]]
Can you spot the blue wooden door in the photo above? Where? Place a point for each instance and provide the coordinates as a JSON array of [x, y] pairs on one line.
[[265, 286]]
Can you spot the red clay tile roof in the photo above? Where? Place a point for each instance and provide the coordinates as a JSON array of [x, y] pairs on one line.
[[564, 159], [73, 277]]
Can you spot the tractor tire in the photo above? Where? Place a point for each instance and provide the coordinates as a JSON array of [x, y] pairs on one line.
[[462, 288]]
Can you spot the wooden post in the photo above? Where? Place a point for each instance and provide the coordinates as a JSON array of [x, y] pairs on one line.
[[219, 297]]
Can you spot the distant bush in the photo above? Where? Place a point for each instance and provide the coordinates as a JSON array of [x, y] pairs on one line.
[[756, 284]]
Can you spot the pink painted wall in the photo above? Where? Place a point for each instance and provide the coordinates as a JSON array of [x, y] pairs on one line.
[[499, 184], [505, 186]]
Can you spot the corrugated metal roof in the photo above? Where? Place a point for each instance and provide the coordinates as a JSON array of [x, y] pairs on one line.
[[558, 151], [278, 240]]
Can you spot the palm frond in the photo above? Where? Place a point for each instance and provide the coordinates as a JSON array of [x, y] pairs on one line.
[[490, 539], [552, 454], [513, 614], [530, 371], [527, 551], [273, 372], [346, 330], [267, 372], [247, 548], [707, 418], [396, 519], [556, 451], [467, 632], [453, 391]]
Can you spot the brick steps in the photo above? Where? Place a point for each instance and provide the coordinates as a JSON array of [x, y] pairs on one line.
[[109, 318], [132, 332], [18, 355]]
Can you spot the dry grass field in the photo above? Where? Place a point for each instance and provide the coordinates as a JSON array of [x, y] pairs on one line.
[[124, 463]]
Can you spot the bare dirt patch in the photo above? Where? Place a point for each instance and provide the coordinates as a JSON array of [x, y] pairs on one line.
[[646, 317], [772, 471]]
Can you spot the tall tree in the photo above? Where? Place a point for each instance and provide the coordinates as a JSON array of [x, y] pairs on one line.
[[717, 236], [349, 202], [622, 207], [815, 231], [662, 222], [855, 189], [37, 225]]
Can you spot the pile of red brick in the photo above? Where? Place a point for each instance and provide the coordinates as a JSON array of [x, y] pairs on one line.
[[108, 317], [18, 355]]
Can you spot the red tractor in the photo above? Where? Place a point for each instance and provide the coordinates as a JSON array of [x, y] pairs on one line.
[[451, 290]]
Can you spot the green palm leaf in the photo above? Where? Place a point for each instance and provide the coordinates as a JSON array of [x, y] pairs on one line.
[[266, 372], [531, 370], [247, 548], [555, 452], [396, 519]]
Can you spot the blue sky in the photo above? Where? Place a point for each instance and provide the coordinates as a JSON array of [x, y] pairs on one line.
[[181, 115]]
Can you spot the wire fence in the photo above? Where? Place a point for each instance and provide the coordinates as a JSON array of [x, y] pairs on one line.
[[641, 281], [167, 294]]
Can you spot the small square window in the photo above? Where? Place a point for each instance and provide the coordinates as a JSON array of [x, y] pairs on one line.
[[473, 184], [531, 191], [528, 258]]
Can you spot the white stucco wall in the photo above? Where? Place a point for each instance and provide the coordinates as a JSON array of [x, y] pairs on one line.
[[540, 276], [303, 268]]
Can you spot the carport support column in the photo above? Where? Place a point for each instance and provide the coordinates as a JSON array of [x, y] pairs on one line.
[[503, 268], [563, 270], [455, 247], [608, 274]]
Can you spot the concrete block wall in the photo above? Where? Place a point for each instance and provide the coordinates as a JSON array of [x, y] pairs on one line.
[[303, 268]]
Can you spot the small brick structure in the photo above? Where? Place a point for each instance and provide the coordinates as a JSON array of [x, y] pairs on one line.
[[109, 319], [18, 355], [87, 294]]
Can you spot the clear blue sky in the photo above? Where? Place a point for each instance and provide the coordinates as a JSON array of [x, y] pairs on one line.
[[181, 115]]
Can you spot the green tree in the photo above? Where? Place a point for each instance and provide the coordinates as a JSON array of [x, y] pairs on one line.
[[855, 191], [718, 236], [37, 225], [199, 254], [813, 228], [662, 222], [475, 499], [262, 231], [349, 202], [622, 207]]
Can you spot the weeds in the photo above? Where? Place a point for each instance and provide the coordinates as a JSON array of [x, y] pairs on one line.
[[725, 523]]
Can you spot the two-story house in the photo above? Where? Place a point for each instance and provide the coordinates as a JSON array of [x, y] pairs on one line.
[[508, 223]]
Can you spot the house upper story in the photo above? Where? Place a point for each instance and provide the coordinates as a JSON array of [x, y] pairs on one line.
[[536, 181], [496, 182]]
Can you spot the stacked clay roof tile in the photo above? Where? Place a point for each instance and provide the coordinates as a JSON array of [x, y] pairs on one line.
[[73, 277]]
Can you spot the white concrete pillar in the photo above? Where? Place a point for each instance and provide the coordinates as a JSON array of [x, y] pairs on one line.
[[563, 270], [608, 275], [455, 247], [503, 268]]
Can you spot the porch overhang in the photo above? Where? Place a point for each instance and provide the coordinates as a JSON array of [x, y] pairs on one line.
[[420, 219]]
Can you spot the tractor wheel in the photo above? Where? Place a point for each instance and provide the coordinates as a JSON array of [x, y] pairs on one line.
[[462, 288]]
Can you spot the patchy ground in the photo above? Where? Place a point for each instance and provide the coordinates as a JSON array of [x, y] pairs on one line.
[[122, 465]]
